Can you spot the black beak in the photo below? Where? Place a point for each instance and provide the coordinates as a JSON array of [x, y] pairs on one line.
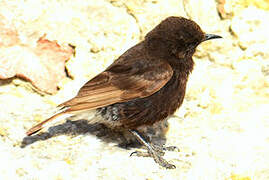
[[211, 36]]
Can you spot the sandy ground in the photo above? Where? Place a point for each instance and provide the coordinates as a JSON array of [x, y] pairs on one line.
[[221, 129]]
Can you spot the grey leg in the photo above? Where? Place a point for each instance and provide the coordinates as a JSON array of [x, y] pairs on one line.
[[155, 154]]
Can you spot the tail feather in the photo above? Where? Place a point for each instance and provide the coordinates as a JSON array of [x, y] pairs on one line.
[[52, 120]]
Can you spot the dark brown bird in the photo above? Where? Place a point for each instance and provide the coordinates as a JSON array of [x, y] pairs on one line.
[[144, 85]]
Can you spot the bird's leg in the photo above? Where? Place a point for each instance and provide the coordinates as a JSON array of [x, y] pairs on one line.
[[155, 153]]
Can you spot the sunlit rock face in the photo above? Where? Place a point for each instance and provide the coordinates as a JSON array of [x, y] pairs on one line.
[[221, 129]]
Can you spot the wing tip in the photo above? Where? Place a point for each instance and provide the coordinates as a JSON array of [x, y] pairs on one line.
[[43, 124], [34, 130]]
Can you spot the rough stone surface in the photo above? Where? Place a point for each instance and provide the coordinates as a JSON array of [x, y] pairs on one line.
[[43, 65], [221, 129]]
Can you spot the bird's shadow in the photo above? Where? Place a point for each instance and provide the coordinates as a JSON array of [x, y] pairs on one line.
[[73, 128]]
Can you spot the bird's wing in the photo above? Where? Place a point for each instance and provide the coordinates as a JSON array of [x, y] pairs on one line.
[[120, 83]]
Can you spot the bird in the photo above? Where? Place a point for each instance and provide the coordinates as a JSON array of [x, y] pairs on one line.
[[145, 85]]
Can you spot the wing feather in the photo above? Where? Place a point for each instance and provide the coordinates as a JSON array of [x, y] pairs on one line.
[[120, 83]]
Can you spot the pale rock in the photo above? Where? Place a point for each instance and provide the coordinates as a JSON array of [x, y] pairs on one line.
[[204, 13], [251, 27], [222, 132], [149, 13]]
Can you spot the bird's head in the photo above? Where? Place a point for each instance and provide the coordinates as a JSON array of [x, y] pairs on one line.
[[176, 36]]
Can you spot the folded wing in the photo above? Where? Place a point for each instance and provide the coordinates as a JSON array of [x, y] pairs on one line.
[[120, 83]]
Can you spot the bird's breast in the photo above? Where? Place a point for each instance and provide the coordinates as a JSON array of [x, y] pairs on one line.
[[172, 94]]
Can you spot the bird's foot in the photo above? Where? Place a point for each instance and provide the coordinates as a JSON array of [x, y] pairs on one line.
[[154, 151], [158, 148], [163, 148], [156, 154]]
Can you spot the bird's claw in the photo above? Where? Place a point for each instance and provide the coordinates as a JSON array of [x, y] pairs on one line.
[[162, 148], [171, 148], [140, 154], [157, 154]]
